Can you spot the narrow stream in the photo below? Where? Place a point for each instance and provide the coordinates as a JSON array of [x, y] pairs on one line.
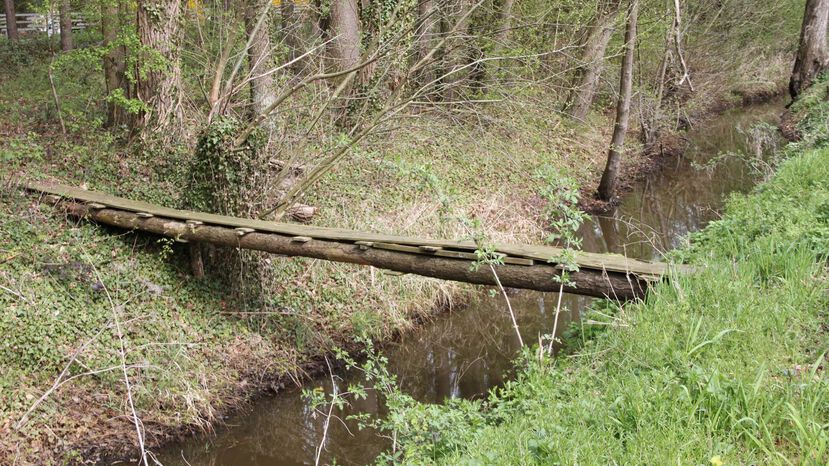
[[469, 351]]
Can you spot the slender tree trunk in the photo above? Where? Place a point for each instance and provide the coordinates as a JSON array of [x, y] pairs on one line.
[[812, 56], [114, 61], [345, 34], [159, 87], [617, 145], [65, 26], [457, 50], [11, 20], [259, 56], [505, 17], [290, 32], [587, 74], [686, 75], [651, 125], [426, 31]]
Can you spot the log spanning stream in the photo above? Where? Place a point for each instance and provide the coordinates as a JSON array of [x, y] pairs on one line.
[[467, 352]]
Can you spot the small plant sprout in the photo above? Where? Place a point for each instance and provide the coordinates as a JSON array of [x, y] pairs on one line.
[[564, 219]]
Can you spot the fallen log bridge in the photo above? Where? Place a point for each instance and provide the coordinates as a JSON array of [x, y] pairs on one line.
[[524, 266]]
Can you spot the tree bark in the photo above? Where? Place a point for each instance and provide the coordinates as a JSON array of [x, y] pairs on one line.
[[11, 20], [345, 34], [159, 69], [290, 33], [457, 49], [812, 55], [259, 56], [505, 17], [65, 11], [589, 70], [617, 144], [114, 61], [426, 31]]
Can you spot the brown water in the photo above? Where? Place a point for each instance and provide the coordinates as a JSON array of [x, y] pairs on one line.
[[467, 352]]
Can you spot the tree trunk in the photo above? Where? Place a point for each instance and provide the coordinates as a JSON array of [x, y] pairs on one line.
[[812, 56], [290, 33], [505, 17], [11, 20], [457, 49], [426, 31], [65, 26], [159, 87], [539, 276], [589, 70], [345, 34], [259, 56], [114, 61], [617, 145]]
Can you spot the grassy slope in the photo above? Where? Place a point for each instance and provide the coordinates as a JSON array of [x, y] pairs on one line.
[[726, 365]]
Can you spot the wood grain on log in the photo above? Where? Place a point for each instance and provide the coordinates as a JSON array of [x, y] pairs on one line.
[[540, 276]]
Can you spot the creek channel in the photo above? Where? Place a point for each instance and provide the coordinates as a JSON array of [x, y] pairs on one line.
[[469, 351]]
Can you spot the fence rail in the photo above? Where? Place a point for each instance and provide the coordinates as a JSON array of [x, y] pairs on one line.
[[39, 23]]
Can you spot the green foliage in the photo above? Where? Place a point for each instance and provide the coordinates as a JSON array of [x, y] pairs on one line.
[[14, 56], [220, 176], [812, 113], [56, 280], [600, 316], [564, 217], [426, 431]]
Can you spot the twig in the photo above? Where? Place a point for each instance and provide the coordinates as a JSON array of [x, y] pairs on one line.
[[16, 293], [58, 382], [55, 97], [330, 413], [555, 321], [122, 350], [509, 306]]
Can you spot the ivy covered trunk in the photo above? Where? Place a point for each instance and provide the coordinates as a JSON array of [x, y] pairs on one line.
[[232, 183], [117, 86], [159, 67]]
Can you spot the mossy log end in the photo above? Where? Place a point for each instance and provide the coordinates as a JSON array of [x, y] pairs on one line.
[[540, 276]]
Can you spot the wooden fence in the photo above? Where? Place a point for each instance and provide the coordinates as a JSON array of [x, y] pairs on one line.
[[40, 23]]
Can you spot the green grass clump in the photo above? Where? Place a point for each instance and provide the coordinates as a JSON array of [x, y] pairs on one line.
[[726, 365]]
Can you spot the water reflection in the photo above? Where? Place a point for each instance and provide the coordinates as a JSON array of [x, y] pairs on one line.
[[467, 352]]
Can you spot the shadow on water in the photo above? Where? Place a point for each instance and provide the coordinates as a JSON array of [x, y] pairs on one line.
[[467, 352]]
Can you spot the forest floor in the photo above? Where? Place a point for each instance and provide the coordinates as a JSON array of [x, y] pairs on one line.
[[194, 354], [723, 366]]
